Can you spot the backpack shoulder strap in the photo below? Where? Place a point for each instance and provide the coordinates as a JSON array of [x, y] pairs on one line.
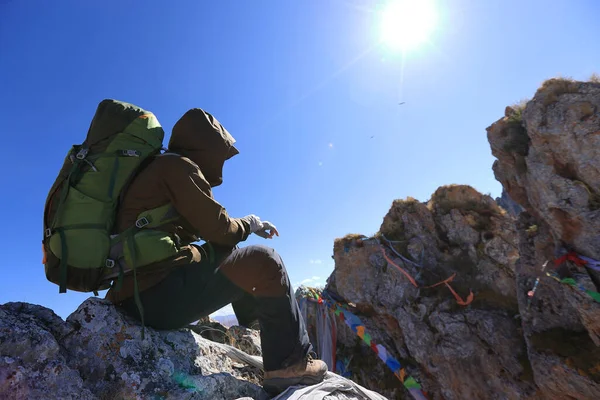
[[133, 175]]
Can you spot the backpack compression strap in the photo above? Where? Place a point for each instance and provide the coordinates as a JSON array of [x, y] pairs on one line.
[[146, 220]]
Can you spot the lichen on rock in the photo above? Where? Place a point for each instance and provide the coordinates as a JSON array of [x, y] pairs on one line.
[[98, 354]]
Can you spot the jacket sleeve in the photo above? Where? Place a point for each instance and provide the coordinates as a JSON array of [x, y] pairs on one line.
[[191, 195]]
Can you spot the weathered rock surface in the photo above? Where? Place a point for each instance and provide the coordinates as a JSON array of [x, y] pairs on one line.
[[555, 175], [211, 330], [456, 352], [247, 340], [32, 361], [549, 160], [512, 207], [503, 345], [98, 354]]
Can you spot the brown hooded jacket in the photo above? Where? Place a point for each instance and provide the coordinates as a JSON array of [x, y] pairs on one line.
[[183, 177]]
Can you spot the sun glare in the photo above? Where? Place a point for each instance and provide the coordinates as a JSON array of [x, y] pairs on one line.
[[405, 24]]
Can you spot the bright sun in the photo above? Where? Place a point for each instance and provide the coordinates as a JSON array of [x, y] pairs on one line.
[[405, 24]]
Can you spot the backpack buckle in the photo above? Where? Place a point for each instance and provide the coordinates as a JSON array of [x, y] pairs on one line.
[[142, 222], [48, 232], [109, 263], [131, 153], [81, 154]]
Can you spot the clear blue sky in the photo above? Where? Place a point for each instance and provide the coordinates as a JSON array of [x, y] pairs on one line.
[[302, 86]]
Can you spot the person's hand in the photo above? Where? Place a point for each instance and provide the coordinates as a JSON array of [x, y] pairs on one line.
[[267, 231], [264, 229]]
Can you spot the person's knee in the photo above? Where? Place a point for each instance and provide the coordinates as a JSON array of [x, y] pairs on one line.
[[260, 250], [264, 256], [270, 271], [270, 257], [259, 270]]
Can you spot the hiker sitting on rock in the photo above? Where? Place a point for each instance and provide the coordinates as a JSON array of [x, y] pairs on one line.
[[199, 280]]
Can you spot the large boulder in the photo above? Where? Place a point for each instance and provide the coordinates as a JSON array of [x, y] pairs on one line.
[[33, 364], [98, 354], [455, 351]]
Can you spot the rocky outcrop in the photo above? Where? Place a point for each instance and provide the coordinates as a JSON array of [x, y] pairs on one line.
[[454, 351], [555, 175], [504, 344], [549, 160], [98, 353]]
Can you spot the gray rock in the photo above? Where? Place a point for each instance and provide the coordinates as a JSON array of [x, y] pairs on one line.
[[509, 204], [247, 340], [211, 330], [33, 364], [549, 160], [98, 354], [455, 352], [458, 229], [555, 175]]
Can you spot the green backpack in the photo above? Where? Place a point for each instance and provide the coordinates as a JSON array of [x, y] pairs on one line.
[[81, 250]]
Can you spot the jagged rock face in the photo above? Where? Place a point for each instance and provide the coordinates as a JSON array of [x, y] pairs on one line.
[[549, 160], [456, 352], [512, 207], [504, 344], [560, 326], [98, 354]]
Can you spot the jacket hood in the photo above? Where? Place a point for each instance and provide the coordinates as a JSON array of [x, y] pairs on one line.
[[201, 138]]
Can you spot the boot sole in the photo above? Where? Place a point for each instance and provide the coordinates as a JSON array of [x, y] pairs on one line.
[[278, 385]]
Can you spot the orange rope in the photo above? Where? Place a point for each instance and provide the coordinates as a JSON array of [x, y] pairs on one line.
[[459, 299], [442, 282], [410, 278]]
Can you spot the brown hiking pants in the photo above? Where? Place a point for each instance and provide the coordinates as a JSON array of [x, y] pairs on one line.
[[253, 279]]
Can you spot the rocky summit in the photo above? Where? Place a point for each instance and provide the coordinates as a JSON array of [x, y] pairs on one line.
[[461, 296], [400, 302]]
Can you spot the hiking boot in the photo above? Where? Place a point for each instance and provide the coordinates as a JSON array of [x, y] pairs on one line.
[[306, 372]]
